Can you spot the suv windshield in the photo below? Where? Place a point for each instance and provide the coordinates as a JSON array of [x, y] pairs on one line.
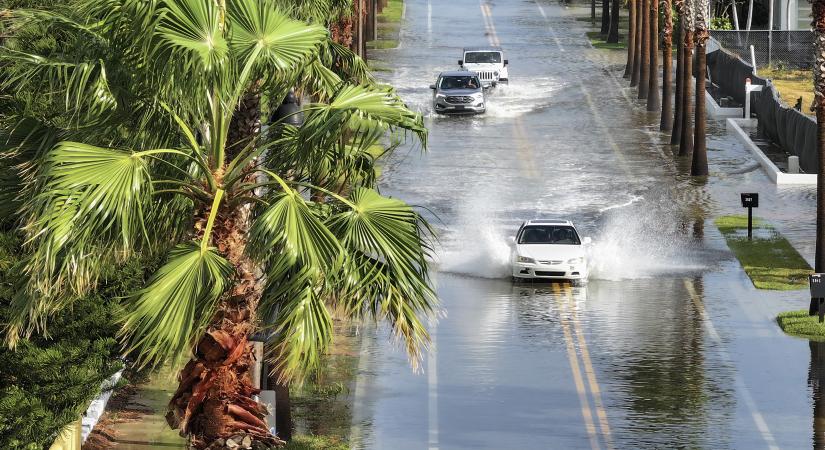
[[482, 57], [459, 82], [549, 234]]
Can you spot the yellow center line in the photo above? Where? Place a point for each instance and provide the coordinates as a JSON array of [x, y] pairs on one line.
[[525, 153], [577, 376], [591, 377]]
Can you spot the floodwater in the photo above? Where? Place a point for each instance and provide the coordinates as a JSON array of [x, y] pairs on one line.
[[668, 345]]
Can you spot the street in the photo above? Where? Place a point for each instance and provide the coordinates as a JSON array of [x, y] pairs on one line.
[[668, 346]]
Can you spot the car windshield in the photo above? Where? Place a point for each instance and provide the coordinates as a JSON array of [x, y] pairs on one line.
[[459, 82], [549, 234], [482, 57]]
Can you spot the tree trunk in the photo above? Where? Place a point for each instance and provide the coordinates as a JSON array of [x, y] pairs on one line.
[[686, 139], [653, 100], [816, 380], [613, 35], [214, 404], [631, 38], [605, 17], [593, 12], [666, 122], [699, 166], [676, 135], [644, 75], [635, 77], [818, 12]]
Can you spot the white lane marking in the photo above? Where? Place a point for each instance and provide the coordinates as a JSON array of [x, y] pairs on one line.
[[429, 17], [432, 388], [549, 27], [758, 419]]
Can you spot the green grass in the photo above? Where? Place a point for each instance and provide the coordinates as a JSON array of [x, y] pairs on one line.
[[310, 442], [382, 44], [770, 261], [791, 84], [599, 41], [392, 12], [800, 324], [389, 26]]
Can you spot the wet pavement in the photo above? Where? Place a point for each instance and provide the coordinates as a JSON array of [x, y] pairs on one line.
[[668, 346]]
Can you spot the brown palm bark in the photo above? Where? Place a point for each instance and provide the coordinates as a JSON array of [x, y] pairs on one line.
[[818, 11], [666, 122], [214, 404], [644, 75], [699, 164], [631, 38], [653, 100], [676, 135], [637, 42], [686, 139], [613, 34], [605, 17]]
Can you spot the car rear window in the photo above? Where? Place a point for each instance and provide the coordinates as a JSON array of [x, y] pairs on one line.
[[482, 57]]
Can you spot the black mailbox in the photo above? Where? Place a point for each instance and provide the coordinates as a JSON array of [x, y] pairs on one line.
[[750, 200], [817, 282]]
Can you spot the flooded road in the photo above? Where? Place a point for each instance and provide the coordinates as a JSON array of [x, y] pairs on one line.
[[668, 345]]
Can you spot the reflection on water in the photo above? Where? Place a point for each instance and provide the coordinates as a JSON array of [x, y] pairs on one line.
[[816, 379]]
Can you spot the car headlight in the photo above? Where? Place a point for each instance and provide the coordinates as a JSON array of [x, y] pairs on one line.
[[495, 74], [440, 96], [575, 260], [478, 96], [525, 259]]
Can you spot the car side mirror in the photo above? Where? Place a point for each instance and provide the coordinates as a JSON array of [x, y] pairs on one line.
[[512, 240], [506, 62], [587, 241], [460, 62], [432, 86]]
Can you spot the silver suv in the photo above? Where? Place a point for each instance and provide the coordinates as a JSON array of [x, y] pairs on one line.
[[458, 92]]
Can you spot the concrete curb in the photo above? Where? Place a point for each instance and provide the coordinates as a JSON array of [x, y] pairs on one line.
[[98, 406], [737, 127]]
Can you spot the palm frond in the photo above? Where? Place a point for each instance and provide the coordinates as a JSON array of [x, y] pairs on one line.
[[167, 317]]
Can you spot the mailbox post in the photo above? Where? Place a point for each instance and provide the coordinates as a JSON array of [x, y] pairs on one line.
[[750, 201], [817, 283]]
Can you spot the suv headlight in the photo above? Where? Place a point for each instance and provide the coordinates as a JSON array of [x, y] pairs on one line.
[[439, 95], [525, 259], [478, 95], [578, 260]]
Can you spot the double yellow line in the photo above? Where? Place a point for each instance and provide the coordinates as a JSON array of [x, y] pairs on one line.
[[583, 370], [487, 13]]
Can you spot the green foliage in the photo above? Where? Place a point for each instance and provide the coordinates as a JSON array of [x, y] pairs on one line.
[[721, 23], [47, 382], [769, 259], [799, 323]]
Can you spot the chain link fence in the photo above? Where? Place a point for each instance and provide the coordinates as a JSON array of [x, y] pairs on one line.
[[778, 48]]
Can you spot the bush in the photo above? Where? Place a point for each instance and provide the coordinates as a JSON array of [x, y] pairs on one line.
[[47, 382]]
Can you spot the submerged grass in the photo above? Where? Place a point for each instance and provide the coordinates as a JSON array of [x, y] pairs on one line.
[[599, 41], [389, 26], [800, 324], [769, 259], [311, 442]]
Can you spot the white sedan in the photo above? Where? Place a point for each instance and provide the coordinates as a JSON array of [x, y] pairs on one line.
[[549, 250]]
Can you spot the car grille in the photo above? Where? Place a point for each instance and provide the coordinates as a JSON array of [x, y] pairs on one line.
[[460, 99], [543, 273], [551, 262], [486, 76]]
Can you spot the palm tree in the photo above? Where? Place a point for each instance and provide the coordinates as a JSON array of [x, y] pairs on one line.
[[818, 12], [686, 138], [676, 135], [613, 34], [653, 100], [157, 149], [635, 77], [644, 74], [631, 39], [699, 163], [666, 122]]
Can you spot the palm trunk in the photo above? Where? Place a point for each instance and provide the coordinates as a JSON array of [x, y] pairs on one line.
[[816, 380], [644, 75], [605, 17], [593, 12], [686, 139], [699, 165], [613, 35], [635, 77], [653, 100], [818, 11], [631, 38], [676, 135], [666, 122], [214, 405]]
